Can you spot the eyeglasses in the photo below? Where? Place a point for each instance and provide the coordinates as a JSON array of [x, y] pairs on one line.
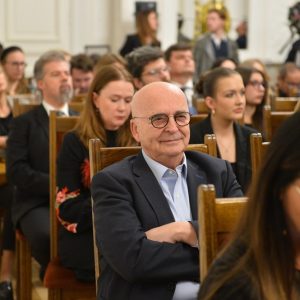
[[156, 72], [17, 64], [257, 84], [161, 120]]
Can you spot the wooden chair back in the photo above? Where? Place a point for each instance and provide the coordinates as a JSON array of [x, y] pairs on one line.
[[60, 281], [258, 149], [218, 218], [76, 106], [20, 108], [272, 120], [79, 98], [284, 104], [101, 157], [58, 127], [197, 118]]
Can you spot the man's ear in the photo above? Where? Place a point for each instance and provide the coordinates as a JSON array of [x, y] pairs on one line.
[[40, 84], [134, 130]]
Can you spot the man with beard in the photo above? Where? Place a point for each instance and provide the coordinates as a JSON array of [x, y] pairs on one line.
[[28, 154]]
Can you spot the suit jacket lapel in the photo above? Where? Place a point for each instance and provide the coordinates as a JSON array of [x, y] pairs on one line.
[[195, 177], [152, 190], [209, 48], [43, 119]]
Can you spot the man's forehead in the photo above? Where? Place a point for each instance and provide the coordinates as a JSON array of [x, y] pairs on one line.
[[56, 64], [155, 63], [182, 52], [161, 103]]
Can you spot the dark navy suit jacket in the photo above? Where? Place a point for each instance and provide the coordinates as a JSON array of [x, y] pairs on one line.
[[128, 201]]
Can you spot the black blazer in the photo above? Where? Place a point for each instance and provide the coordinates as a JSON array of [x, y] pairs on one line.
[[132, 42], [128, 201], [28, 161], [242, 135]]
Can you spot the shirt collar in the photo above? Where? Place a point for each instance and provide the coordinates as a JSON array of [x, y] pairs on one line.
[[48, 108], [188, 84], [218, 39], [159, 170]]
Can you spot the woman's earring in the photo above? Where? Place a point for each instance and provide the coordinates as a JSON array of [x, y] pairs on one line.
[[213, 112]]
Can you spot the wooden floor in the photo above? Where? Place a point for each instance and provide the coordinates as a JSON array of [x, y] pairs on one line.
[[38, 292]]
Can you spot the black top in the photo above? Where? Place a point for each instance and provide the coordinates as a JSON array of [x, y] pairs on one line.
[[111, 137], [132, 42], [74, 203], [5, 124], [242, 134]]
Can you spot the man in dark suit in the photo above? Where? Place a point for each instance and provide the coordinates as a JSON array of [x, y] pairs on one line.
[[28, 154], [146, 205]]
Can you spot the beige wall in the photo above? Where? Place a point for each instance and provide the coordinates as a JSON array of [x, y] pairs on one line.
[[39, 25]]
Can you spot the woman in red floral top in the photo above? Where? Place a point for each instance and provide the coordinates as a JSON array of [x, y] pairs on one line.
[[105, 116]]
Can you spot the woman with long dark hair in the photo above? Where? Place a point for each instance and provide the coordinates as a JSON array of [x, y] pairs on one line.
[[262, 260]]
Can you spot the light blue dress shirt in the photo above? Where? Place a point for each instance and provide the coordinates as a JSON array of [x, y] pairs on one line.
[[174, 186]]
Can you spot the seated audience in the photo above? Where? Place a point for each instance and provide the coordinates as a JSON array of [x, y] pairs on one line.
[[28, 154], [6, 198], [288, 81], [224, 94], [13, 62], [256, 89], [179, 59], [262, 260], [105, 116], [82, 73], [146, 65], [145, 207], [146, 25]]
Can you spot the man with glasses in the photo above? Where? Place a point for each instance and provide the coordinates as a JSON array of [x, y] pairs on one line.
[[146, 205], [146, 64], [13, 62], [288, 81]]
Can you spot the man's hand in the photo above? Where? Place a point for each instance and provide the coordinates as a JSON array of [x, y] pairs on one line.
[[174, 232]]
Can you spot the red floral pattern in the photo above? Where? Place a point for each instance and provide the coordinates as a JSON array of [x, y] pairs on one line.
[[85, 172], [61, 197]]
